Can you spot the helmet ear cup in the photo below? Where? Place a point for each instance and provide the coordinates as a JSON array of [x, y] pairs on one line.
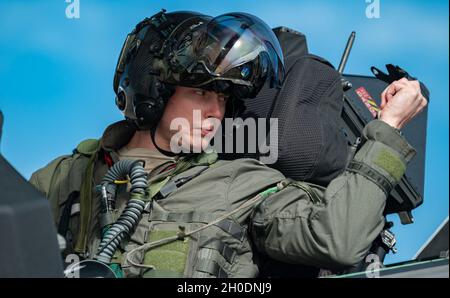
[[146, 110], [149, 110]]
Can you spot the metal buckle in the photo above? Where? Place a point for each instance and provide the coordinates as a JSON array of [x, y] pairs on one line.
[[388, 239]]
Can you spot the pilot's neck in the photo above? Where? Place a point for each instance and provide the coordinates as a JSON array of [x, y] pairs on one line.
[[143, 139]]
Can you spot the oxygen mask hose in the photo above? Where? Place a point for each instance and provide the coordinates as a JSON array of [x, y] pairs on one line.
[[115, 232]]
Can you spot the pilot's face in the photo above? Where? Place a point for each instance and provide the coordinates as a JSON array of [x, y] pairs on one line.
[[191, 117]]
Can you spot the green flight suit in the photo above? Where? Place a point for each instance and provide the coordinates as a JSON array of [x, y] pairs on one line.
[[331, 227]]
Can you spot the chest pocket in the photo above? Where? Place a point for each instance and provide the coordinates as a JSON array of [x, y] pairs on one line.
[[211, 252]]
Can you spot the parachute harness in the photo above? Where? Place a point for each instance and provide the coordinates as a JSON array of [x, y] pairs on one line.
[[115, 232], [182, 234]]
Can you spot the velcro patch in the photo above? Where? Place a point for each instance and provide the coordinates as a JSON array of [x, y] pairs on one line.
[[391, 164], [167, 258]]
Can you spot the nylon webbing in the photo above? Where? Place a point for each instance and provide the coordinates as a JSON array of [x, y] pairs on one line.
[[85, 206], [183, 234], [224, 250], [371, 174], [211, 267], [227, 225]]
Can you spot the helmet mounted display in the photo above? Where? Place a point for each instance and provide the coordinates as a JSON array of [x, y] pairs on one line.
[[234, 54]]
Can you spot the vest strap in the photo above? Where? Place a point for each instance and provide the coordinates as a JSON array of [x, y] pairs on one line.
[[371, 174]]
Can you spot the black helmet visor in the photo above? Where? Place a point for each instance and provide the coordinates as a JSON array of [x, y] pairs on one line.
[[235, 47]]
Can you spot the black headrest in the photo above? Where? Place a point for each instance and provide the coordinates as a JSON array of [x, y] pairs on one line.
[[311, 146]]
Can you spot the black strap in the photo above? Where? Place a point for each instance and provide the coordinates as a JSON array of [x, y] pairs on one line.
[[172, 186], [224, 250], [371, 174], [64, 220], [162, 151], [232, 228], [211, 267]]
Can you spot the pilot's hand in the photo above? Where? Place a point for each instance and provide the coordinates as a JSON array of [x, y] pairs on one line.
[[401, 101]]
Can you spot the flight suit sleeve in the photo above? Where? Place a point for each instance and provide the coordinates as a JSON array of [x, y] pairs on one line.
[[334, 227]]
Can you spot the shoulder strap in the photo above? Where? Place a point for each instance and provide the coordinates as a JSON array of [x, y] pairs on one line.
[[89, 148], [162, 186]]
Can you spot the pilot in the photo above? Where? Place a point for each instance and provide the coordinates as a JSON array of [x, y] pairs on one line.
[[195, 215]]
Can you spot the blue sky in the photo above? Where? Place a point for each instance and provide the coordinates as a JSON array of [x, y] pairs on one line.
[[56, 73]]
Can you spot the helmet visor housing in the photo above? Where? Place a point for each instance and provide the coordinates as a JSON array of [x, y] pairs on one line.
[[232, 52]]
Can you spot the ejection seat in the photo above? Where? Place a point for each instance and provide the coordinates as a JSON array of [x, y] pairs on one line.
[[311, 146]]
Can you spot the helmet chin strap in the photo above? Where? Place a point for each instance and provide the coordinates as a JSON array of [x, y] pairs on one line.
[[162, 151]]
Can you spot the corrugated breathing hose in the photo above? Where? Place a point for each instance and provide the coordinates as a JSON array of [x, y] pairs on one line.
[[132, 213]]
